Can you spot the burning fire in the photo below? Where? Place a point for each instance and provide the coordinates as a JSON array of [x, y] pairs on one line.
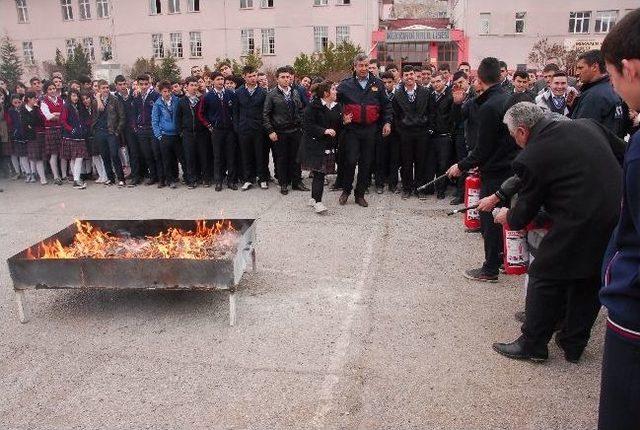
[[217, 241]]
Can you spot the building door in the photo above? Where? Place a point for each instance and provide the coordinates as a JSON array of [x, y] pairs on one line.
[[448, 53]]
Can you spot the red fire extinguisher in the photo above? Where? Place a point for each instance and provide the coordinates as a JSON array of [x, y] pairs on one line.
[[471, 218], [516, 252]]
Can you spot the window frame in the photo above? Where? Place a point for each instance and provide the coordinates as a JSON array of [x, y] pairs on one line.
[[348, 34], [610, 22], [70, 46], [28, 59], [195, 42], [84, 10], [157, 37], [484, 17], [320, 3], [191, 6], [23, 11], [522, 19], [173, 4], [585, 16], [268, 39], [248, 4], [89, 48], [66, 8], [343, 2], [176, 48], [321, 40], [106, 42], [103, 6], [155, 7], [247, 38], [263, 6]]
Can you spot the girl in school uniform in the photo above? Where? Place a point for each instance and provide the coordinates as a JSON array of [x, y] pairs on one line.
[[18, 137], [74, 134], [51, 108], [5, 136], [34, 132], [88, 114]]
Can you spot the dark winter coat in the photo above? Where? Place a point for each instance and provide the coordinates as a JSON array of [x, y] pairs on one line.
[[441, 112], [368, 106], [247, 112], [142, 110], [579, 186], [317, 119], [600, 102], [412, 117], [278, 115]]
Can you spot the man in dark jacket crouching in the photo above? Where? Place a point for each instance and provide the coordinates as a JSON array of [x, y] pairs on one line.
[[569, 167]]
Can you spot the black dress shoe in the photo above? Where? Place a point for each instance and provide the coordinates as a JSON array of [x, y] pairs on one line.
[[456, 201], [571, 357], [440, 195], [284, 190], [218, 187], [380, 190], [516, 351], [520, 316], [300, 187], [362, 202], [233, 186], [343, 198]]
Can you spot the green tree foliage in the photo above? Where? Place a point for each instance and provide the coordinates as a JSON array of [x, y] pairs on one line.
[[169, 69], [75, 65], [543, 52], [144, 66], [10, 64], [252, 59], [334, 59]]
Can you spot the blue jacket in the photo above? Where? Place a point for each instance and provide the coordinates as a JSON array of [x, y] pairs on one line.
[[216, 114], [600, 102], [621, 291], [163, 119], [247, 111], [142, 111]]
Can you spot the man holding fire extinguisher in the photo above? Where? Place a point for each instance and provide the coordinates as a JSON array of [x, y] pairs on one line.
[[579, 187]]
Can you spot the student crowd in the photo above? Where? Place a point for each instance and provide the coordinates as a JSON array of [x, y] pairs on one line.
[[554, 140]]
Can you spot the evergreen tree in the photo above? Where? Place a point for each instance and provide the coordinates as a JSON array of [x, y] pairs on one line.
[[144, 66], [10, 64], [169, 69], [75, 65]]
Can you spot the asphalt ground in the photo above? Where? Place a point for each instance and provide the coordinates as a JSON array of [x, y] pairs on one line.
[[358, 319]]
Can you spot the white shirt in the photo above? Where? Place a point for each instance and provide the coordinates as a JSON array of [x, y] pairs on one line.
[[328, 105], [287, 91]]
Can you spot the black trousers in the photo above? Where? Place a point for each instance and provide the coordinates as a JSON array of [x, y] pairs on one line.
[[491, 232], [317, 186], [192, 143], [340, 161], [387, 159], [152, 158], [133, 147], [170, 150], [442, 152], [460, 146], [204, 161], [359, 146], [252, 147], [288, 170], [224, 155], [620, 385], [545, 306], [413, 152], [110, 151]]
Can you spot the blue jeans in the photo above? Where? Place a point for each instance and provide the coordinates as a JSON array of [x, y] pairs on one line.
[[110, 151]]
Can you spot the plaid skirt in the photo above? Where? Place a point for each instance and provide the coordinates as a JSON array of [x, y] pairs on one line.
[[73, 148], [93, 147], [35, 148], [52, 140], [328, 165], [7, 148], [19, 148]]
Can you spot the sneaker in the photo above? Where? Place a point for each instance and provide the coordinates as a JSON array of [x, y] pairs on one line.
[[422, 196], [16, 177], [108, 182], [380, 189], [100, 181], [44, 182], [319, 208], [173, 185], [232, 186], [264, 185], [191, 186], [300, 186], [311, 202], [121, 184], [479, 275], [79, 185], [246, 186], [57, 181]]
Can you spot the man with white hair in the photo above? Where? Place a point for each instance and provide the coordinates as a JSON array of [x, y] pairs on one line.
[[570, 169]]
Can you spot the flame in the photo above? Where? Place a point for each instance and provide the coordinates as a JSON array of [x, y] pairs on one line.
[[206, 242]]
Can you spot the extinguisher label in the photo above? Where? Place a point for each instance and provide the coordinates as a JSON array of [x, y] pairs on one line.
[[473, 197], [516, 245]]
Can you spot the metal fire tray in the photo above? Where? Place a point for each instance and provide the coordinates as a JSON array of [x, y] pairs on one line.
[[133, 273]]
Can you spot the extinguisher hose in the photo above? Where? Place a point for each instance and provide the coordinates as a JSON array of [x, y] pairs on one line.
[[462, 210], [428, 184]]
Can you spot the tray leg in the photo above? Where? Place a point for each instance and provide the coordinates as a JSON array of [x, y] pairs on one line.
[[232, 308], [21, 301], [253, 260]]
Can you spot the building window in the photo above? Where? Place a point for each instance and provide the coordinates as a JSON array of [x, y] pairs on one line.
[[70, 45], [343, 2], [174, 6], [520, 18], [195, 44], [87, 45], [268, 41], [193, 5], [247, 41], [320, 38], [157, 44], [155, 7], [103, 8], [85, 9], [579, 22], [246, 4], [67, 10], [27, 53], [320, 2], [106, 52], [605, 20], [176, 44], [266, 3], [485, 23], [23, 13], [342, 34]]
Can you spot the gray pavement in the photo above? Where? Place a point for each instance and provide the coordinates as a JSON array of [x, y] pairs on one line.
[[354, 320]]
